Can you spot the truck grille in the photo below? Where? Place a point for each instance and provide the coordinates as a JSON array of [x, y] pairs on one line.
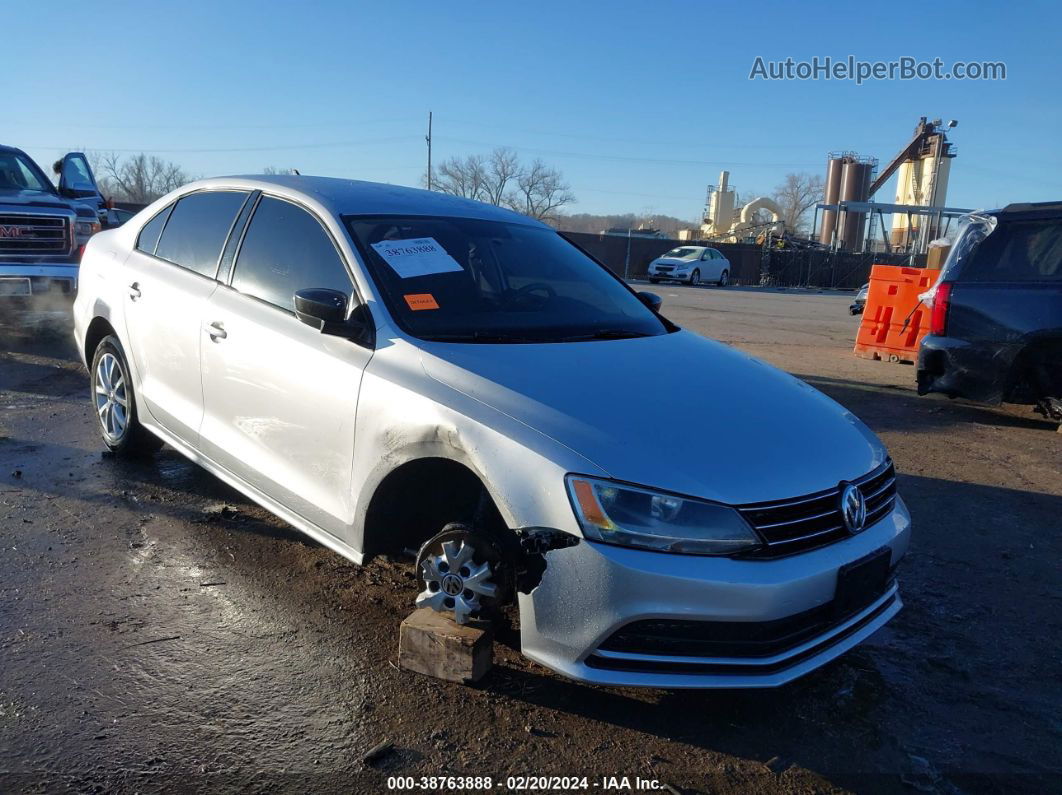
[[803, 523], [22, 235]]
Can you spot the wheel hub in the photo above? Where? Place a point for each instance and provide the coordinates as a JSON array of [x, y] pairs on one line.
[[454, 582]]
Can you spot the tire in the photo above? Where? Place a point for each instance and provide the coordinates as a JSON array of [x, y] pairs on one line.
[[114, 403], [695, 278], [724, 278], [654, 281]]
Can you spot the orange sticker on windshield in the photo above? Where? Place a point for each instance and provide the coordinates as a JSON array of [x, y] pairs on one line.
[[419, 301]]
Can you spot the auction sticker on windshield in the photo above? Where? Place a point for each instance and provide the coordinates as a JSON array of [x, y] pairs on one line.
[[421, 301], [419, 256]]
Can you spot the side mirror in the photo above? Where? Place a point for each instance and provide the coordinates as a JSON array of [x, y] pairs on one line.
[[325, 310], [651, 300]]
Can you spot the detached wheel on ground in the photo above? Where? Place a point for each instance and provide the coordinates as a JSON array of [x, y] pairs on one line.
[[724, 278], [460, 572], [115, 402]]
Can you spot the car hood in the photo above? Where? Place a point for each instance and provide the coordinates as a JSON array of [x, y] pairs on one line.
[[673, 261], [675, 411]]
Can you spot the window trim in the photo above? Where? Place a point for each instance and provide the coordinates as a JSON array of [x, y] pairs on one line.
[[355, 293], [224, 242]]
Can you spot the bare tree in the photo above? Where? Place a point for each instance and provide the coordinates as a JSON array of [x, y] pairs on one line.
[[139, 178], [541, 192], [463, 177], [500, 171], [795, 196], [499, 178]]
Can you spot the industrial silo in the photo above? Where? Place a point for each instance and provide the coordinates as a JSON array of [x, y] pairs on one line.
[[834, 165], [856, 177]]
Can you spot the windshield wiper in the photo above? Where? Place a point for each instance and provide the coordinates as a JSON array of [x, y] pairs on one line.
[[607, 334]]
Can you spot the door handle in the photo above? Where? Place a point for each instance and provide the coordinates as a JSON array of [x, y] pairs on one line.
[[134, 291], [216, 330]]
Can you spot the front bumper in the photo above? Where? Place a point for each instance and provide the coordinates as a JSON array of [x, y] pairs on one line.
[[38, 279], [591, 591], [678, 277]]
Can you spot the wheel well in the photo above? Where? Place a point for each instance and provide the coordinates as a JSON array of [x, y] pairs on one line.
[[97, 330], [1036, 373], [416, 500]]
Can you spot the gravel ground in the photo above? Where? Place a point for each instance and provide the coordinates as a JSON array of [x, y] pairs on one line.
[[159, 632]]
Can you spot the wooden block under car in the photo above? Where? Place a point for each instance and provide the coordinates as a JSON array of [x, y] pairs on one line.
[[432, 643]]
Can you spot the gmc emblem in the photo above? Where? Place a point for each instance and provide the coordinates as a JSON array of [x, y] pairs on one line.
[[10, 231]]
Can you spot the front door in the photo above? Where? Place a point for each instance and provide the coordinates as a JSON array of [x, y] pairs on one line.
[[281, 397]]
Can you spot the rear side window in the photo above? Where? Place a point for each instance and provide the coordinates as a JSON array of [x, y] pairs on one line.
[[285, 250], [1019, 251], [198, 226], [149, 233]]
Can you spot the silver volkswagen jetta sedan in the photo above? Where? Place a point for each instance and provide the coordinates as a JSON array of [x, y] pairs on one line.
[[388, 368]]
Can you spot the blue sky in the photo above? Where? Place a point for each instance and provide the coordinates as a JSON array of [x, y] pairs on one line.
[[639, 104]]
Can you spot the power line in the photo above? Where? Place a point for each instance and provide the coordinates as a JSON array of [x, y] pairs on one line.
[[329, 145], [628, 158]]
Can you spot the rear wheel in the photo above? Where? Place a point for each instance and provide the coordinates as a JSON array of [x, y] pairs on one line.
[[115, 402], [654, 281], [724, 278]]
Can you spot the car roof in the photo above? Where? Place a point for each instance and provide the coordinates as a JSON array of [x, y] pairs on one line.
[[357, 197], [1029, 211]]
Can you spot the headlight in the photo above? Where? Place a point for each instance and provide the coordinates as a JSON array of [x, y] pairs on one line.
[[633, 517], [86, 228]]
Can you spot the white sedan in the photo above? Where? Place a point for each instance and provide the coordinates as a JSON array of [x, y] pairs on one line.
[[692, 265], [387, 368]]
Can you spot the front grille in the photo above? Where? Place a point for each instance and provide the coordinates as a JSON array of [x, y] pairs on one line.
[[802, 523], [665, 268], [22, 235], [737, 667]]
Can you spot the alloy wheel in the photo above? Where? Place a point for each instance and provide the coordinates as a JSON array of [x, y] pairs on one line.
[[112, 397]]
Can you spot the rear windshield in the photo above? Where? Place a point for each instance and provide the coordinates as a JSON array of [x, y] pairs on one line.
[[466, 280], [1019, 251]]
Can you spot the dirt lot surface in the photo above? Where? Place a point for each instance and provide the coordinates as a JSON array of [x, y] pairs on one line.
[[158, 631]]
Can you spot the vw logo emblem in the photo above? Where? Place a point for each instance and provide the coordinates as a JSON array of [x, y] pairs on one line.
[[853, 508], [452, 585]]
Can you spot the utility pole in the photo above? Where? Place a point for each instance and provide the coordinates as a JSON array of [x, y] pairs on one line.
[[428, 139]]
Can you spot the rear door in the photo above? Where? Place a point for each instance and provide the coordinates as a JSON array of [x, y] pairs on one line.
[[168, 279], [281, 397]]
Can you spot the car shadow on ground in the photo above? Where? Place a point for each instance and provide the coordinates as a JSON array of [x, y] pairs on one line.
[[895, 408]]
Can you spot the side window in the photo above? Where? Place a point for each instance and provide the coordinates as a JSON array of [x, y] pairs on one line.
[[285, 250], [198, 226], [715, 254], [1019, 251], [149, 233]]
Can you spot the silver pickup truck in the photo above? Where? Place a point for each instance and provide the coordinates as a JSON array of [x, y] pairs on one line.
[[43, 231]]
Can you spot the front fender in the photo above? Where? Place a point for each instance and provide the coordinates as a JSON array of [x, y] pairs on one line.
[[404, 415]]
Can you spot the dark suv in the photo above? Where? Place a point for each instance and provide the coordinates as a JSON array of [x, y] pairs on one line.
[[996, 311]]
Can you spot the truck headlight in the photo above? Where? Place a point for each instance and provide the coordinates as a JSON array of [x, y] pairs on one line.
[[86, 228], [629, 516]]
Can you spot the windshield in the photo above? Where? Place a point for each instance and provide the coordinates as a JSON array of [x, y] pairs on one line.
[[469, 280], [18, 172], [683, 252]]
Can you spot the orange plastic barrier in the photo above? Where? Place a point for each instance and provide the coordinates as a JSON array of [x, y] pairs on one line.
[[894, 322]]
